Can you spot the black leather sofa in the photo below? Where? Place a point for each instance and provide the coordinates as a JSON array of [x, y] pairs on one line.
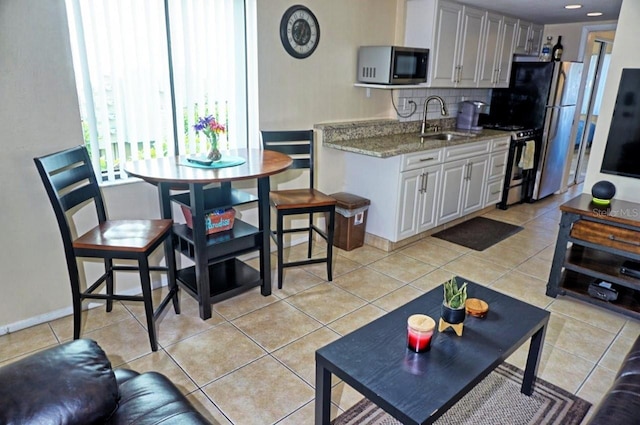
[[621, 405], [73, 383]]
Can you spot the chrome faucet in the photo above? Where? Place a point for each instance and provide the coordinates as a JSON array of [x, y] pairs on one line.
[[443, 110]]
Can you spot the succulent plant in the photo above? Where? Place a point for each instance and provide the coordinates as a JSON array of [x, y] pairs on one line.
[[454, 296]]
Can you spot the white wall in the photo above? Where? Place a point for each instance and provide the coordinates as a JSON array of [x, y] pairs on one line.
[[571, 37], [39, 114], [624, 55], [297, 93]]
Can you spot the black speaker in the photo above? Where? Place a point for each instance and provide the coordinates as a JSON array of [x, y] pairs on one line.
[[602, 192]]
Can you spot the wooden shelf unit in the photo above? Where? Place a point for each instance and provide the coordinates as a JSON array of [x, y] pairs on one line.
[[228, 276], [593, 243]]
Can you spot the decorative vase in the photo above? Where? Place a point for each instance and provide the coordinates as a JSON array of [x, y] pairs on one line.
[[453, 316], [214, 154]]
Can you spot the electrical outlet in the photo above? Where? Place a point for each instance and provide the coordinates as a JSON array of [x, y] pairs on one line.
[[404, 103]]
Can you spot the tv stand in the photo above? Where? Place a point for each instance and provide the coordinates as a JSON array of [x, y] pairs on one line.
[[593, 244]]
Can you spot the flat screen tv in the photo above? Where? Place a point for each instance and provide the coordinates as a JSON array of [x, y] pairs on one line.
[[622, 153]]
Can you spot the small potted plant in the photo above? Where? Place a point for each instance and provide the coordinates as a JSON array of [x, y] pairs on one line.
[[453, 309]]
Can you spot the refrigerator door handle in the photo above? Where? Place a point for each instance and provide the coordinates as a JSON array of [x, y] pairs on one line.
[[552, 128]]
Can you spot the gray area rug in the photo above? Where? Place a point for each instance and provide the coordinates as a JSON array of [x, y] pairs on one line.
[[479, 233], [496, 400]]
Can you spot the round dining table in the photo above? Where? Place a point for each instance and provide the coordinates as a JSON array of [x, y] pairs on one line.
[[217, 273]]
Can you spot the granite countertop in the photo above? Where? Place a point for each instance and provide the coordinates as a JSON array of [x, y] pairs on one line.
[[363, 137]]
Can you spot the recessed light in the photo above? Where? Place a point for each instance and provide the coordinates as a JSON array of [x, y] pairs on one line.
[[594, 14], [573, 6]]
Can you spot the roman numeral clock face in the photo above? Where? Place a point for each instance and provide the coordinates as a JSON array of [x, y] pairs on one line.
[[299, 31]]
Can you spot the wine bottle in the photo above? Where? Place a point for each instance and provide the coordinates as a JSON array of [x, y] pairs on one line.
[[556, 53]]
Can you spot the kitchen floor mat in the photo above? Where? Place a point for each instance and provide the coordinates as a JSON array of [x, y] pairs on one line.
[[479, 233]]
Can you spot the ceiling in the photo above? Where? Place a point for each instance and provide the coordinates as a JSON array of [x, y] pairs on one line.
[[552, 11]]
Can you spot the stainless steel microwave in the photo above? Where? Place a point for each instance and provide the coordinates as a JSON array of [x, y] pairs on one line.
[[392, 65]]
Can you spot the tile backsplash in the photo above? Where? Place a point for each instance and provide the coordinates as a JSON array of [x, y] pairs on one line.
[[452, 99]]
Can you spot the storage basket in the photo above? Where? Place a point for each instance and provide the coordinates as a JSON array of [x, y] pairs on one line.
[[215, 221]]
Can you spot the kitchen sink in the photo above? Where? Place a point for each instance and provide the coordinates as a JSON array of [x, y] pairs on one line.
[[447, 135]]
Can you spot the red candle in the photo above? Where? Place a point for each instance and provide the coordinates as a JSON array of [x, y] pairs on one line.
[[420, 330]]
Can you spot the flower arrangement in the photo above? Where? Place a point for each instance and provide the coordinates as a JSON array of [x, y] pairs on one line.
[[211, 129]]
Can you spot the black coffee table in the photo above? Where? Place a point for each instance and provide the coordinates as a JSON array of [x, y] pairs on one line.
[[419, 388]]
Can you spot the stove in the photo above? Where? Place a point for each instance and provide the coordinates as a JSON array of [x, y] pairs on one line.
[[518, 132], [519, 179], [504, 127]]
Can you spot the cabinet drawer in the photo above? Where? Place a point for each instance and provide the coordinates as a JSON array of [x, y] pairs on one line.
[[606, 235], [494, 193], [500, 144], [466, 150], [417, 160], [498, 164]]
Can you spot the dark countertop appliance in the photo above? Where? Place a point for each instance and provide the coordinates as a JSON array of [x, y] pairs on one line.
[[541, 96]]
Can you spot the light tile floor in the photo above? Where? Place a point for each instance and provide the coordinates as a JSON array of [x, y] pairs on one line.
[[253, 361]]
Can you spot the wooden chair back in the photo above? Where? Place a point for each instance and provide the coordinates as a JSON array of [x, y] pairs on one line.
[[298, 144], [69, 180]]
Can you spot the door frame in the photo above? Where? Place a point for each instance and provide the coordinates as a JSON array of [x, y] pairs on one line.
[[586, 46], [604, 43]]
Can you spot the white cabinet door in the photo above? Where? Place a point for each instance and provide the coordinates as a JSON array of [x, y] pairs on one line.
[[418, 201], [419, 23], [521, 45], [427, 215], [474, 184], [444, 71], [453, 179], [528, 38], [470, 47], [489, 64], [410, 186], [535, 39], [507, 40]]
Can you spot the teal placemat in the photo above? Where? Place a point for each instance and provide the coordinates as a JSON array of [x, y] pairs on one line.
[[226, 161]]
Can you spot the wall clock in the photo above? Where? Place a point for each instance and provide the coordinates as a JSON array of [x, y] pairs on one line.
[[299, 31]]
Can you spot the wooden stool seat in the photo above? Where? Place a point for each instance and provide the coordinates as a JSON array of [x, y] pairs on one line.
[[299, 198]]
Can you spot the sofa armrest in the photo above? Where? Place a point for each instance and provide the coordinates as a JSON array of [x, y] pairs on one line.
[[71, 383], [621, 404], [123, 375], [150, 398]]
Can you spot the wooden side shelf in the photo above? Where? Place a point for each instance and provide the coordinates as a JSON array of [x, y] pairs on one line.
[[576, 284], [227, 279], [216, 197], [228, 276], [585, 257]]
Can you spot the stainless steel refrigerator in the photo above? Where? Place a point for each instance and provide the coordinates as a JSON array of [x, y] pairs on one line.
[[542, 96]]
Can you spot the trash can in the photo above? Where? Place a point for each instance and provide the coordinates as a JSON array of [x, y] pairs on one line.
[[351, 220]]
